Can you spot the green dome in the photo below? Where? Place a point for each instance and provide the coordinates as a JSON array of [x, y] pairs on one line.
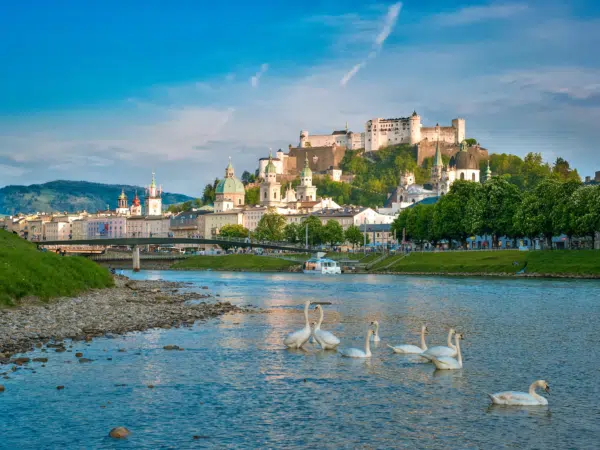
[[306, 172], [230, 186]]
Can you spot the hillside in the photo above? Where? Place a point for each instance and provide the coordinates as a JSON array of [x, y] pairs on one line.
[[26, 271], [70, 196]]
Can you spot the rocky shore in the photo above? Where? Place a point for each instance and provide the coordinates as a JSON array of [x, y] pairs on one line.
[[129, 306]]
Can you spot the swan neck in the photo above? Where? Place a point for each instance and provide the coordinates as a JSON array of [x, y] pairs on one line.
[[459, 356], [423, 344], [450, 344], [368, 345], [532, 392], [321, 315], [377, 329], [306, 315]]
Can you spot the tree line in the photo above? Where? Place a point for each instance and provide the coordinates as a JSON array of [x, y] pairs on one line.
[[499, 208]]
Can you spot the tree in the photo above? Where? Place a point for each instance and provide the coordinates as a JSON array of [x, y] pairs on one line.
[[586, 211], [270, 227], [252, 196], [500, 203], [563, 214], [293, 232], [533, 218], [354, 236], [234, 231], [208, 195], [563, 172], [248, 177], [471, 142], [315, 230], [333, 233]]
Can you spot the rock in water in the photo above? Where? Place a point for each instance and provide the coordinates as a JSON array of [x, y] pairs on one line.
[[171, 347], [60, 388], [85, 360], [2, 388], [78, 355], [119, 433]]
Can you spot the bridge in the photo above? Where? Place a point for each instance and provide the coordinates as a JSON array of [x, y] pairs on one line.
[[136, 242]]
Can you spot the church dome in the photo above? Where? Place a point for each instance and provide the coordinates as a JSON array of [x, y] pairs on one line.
[[464, 160], [230, 186]]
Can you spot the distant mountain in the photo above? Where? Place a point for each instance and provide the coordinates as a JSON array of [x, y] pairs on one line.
[[71, 196]]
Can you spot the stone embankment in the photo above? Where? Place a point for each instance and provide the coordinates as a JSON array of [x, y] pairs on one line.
[[129, 306]]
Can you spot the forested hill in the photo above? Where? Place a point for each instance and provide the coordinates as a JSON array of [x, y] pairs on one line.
[[71, 196]]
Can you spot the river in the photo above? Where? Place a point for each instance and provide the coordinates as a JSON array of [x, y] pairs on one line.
[[235, 386]]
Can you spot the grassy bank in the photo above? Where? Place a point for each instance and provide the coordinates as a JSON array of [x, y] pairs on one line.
[[247, 263], [556, 262], [26, 271]]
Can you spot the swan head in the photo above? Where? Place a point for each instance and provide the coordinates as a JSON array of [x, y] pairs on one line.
[[460, 336], [424, 329], [452, 331], [544, 385], [317, 308], [375, 323]]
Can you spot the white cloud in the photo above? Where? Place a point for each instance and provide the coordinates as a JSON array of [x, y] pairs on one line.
[[12, 171], [473, 14], [388, 25], [256, 78]]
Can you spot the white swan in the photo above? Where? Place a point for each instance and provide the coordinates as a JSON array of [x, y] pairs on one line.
[[298, 338], [375, 337], [412, 349], [327, 340], [440, 350], [447, 362], [522, 398], [355, 352]]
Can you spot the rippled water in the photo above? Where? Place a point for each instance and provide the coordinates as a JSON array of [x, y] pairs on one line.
[[235, 386]]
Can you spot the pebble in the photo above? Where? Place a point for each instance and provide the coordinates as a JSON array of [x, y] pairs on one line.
[[2, 388], [119, 433], [78, 355], [60, 388]]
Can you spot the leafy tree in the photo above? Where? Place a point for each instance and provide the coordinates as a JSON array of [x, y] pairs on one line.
[[562, 171], [534, 216], [333, 233], [252, 196], [248, 177], [293, 232], [208, 195], [234, 231], [586, 211], [315, 230], [471, 142], [354, 236], [500, 203], [563, 214], [271, 227]]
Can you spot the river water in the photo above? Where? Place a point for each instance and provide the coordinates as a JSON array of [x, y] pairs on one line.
[[235, 386]]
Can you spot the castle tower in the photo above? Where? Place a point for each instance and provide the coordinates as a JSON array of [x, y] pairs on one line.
[[136, 206], [270, 189], [303, 138], [122, 208], [460, 129], [153, 200], [414, 124]]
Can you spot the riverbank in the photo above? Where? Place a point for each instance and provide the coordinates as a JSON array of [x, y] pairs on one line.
[[550, 263], [129, 306], [238, 263], [26, 271]]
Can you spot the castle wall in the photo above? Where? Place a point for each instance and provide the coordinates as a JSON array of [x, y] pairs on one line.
[[319, 159], [426, 149], [319, 140], [444, 134]]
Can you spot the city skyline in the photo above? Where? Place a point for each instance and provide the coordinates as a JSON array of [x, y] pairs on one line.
[[107, 94]]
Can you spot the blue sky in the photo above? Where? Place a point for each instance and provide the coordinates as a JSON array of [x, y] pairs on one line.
[[110, 91]]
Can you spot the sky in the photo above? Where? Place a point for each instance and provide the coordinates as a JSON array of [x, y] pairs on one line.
[[110, 91]]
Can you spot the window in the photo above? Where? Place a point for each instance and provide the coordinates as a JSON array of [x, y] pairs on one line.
[[462, 176], [473, 176], [265, 195]]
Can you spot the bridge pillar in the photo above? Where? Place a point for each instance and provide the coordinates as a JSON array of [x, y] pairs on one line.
[[136, 258]]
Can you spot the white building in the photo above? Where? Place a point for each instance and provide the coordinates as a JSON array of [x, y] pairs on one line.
[[306, 192], [341, 138], [148, 226], [270, 188], [107, 227], [122, 208], [409, 130]]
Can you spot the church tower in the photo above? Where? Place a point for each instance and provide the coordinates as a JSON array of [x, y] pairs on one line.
[[136, 206], [306, 191], [122, 208], [437, 167], [270, 189], [153, 201]]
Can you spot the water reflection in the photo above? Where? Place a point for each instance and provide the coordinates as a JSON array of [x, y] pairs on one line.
[[237, 386]]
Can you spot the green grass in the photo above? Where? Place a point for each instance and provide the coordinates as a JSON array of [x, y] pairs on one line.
[[26, 271], [250, 263], [575, 262], [389, 260], [565, 262]]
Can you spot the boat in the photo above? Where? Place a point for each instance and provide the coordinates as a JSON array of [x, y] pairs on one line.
[[321, 265]]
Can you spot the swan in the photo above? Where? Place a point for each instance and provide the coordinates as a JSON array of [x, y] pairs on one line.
[[355, 352], [298, 338], [522, 398], [447, 362], [327, 340], [375, 337], [440, 350], [412, 349]]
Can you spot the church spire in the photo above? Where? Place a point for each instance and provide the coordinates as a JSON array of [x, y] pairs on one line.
[[437, 161]]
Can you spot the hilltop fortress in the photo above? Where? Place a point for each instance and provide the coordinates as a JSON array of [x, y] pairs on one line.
[[326, 151]]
